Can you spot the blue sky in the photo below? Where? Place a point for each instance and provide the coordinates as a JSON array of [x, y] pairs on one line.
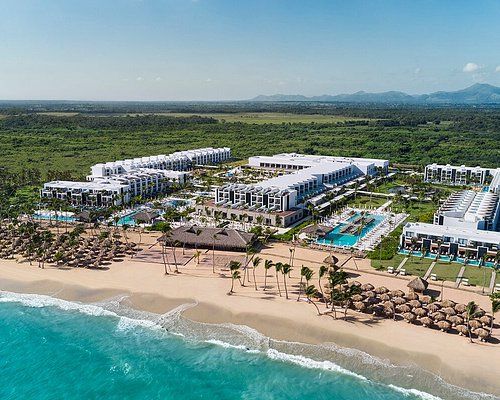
[[220, 49]]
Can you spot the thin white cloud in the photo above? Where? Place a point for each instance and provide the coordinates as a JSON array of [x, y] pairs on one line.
[[470, 67], [417, 71], [497, 69], [208, 80], [158, 78], [139, 78]]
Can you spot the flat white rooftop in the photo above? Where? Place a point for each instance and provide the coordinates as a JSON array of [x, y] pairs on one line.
[[455, 232], [104, 184]]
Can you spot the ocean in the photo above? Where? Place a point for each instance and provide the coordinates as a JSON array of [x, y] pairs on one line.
[[56, 349]]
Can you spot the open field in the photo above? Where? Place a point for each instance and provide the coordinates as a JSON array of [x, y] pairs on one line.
[[273, 118], [363, 201]]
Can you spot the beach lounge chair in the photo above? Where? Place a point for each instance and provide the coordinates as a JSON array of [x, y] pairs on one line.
[[402, 271], [390, 270], [434, 277], [465, 281]]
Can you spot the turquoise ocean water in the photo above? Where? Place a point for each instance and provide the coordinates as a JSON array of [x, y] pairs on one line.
[[54, 349]]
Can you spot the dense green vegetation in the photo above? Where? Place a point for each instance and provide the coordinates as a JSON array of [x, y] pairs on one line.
[[68, 145]]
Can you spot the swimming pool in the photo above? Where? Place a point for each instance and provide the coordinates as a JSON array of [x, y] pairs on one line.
[[336, 238], [60, 217]]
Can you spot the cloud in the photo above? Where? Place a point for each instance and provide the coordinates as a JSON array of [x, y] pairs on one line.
[[470, 67], [139, 78], [497, 69], [208, 80], [417, 71], [158, 78]]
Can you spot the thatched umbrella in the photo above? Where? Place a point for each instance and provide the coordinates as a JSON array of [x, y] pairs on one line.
[[412, 296], [358, 297], [397, 293], [381, 290], [475, 324], [433, 307], [385, 297], [389, 312], [486, 320], [367, 287], [438, 316], [359, 306], [444, 325], [482, 333], [414, 303], [372, 300], [403, 308], [331, 260], [455, 320], [425, 299], [418, 285], [479, 312], [420, 312], [370, 294], [460, 308], [409, 317], [448, 303], [462, 330], [388, 304], [448, 310], [426, 321], [356, 283], [398, 300]]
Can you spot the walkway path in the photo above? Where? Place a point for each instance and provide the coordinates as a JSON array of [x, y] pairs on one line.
[[401, 264], [429, 270], [460, 276], [384, 206], [492, 280]]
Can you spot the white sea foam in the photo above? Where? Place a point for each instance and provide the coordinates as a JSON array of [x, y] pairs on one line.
[[231, 346], [414, 392], [310, 363]]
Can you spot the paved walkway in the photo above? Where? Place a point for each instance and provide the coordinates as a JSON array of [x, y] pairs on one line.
[[384, 206], [401, 264], [460, 276], [429, 270]]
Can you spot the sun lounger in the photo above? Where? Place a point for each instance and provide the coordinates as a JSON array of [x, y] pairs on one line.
[[465, 281], [402, 271], [390, 270], [434, 277]]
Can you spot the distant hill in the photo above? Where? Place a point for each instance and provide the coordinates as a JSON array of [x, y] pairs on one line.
[[479, 93]]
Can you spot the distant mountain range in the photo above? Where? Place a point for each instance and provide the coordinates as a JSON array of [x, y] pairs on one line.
[[479, 93]]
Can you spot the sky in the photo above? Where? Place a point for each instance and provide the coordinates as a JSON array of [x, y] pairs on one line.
[[238, 49]]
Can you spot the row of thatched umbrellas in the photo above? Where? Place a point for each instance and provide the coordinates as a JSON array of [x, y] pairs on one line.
[[89, 252], [412, 307]]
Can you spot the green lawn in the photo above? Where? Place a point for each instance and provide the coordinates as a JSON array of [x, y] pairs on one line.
[[478, 276], [383, 264], [417, 266], [365, 201], [446, 271]]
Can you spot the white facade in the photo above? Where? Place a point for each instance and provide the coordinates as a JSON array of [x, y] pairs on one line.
[[468, 209], [117, 182], [312, 175], [457, 175]]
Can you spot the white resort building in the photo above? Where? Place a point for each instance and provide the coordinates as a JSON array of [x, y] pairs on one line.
[[459, 175], [280, 200], [117, 182]]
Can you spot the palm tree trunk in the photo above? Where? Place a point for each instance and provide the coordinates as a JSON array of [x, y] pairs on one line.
[[278, 283], [265, 279], [286, 289], [254, 280], [315, 305], [300, 288]]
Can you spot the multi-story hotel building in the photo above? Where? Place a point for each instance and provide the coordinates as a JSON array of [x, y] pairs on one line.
[[117, 182], [280, 200], [458, 175]]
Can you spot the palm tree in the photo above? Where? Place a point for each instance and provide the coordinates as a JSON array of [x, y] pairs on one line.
[[286, 269], [267, 265], [311, 291], [495, 307], [197, 255], [165, 229], [470, 313], [278, 267], [214, 238], [256, 261], [321, 273], [234, 266], [303, 272], [336, 279]]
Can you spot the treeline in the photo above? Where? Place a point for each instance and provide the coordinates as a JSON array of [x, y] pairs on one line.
[[39, 121]]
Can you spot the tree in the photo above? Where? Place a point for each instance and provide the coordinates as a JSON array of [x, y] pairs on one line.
[[165, 229], [321, 273], [310, 292], [256, 262], [336, 280], [278, 267], [285, 270], [234, 267], [268, 264], [470, 314], [214, 238], [495, 307]]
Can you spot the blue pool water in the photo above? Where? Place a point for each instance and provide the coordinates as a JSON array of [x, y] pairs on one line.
[[53, 349], [343, 239], [62, 218]]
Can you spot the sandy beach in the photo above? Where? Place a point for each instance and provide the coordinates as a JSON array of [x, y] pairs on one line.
[[452, 357]]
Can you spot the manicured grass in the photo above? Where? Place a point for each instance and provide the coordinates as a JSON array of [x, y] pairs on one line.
[[383, 264], [417, 266], [362, 201], [446, 271], [477, 275]]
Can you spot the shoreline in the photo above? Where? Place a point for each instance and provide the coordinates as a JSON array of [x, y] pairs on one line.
[[148, 290]]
